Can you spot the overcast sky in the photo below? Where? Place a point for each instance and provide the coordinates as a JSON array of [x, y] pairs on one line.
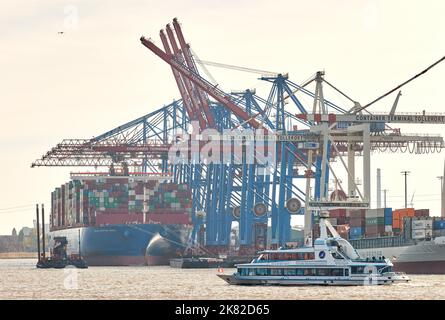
[[97, 75]]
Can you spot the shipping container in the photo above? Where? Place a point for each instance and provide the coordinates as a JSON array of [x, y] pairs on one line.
[[336, 213], [388, 228], [439, 224], [405, 212], [355, 231], [356, 213], [375, 221], [422, 224], [418, 234], [374, 229], [439, 233], [422, 212], [388, 216], [374, 213], [357, 222]]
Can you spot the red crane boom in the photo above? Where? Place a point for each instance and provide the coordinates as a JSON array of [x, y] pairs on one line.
[[189, 61], [217, 94], [185, 98]]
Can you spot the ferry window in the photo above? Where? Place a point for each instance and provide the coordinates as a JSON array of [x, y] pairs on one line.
[[336, 255], [300, 256], [309, 272], [251, 272], [358, 269], [322, 272], [276, 272], [336, 272], [294, 256], [300, 272], [311, 255], [261, 272], [287, 256], [290, 272], [242, 271], [346, 272]]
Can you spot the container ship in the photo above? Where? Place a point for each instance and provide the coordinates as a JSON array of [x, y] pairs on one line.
[[122, 220], [413, 239]]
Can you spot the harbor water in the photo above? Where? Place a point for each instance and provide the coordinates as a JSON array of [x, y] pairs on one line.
[[21, 280]]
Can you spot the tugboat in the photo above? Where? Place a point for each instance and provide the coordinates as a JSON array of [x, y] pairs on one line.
[[59, 258], [330, 261]]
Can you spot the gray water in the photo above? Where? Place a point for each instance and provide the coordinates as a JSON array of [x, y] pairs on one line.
[[19, 279]]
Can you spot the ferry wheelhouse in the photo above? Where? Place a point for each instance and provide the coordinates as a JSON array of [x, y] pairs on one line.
[[330, 261]]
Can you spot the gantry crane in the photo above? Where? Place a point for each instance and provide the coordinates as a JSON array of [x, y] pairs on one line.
[[250, 193]]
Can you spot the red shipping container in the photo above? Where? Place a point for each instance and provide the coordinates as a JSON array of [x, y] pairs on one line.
[[356, 213], [357, 222], [336, 213]]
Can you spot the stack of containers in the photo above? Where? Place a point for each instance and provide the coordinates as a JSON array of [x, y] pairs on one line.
[[53, 207], [338, 216], [63, 206], [398, 216], [422, 228], [374, 222], [57, 209], [439, 227], [356, 223], [81, 202], [388, 221]]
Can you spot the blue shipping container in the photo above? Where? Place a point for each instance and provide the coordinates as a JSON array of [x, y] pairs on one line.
[[388, 216], [355, 231], [352, 237], [439, 224]]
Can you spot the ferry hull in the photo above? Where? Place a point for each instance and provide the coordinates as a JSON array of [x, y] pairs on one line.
[[234, 280]]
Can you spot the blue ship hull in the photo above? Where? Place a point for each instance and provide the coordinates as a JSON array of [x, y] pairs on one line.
[[126, 244]]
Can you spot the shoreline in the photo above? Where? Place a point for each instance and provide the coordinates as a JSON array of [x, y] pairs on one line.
[[18, 255]]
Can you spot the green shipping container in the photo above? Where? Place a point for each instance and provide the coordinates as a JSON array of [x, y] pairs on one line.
[[375, 221]]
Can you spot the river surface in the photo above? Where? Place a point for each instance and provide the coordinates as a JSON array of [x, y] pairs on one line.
[[19, 279]]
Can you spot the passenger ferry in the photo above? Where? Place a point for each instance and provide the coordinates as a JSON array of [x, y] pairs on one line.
[[330, 261]]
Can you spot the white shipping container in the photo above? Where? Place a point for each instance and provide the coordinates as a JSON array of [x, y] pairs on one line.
[[418, 234], [388, 228], [374, 213], [422, 224], [131, 192]]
